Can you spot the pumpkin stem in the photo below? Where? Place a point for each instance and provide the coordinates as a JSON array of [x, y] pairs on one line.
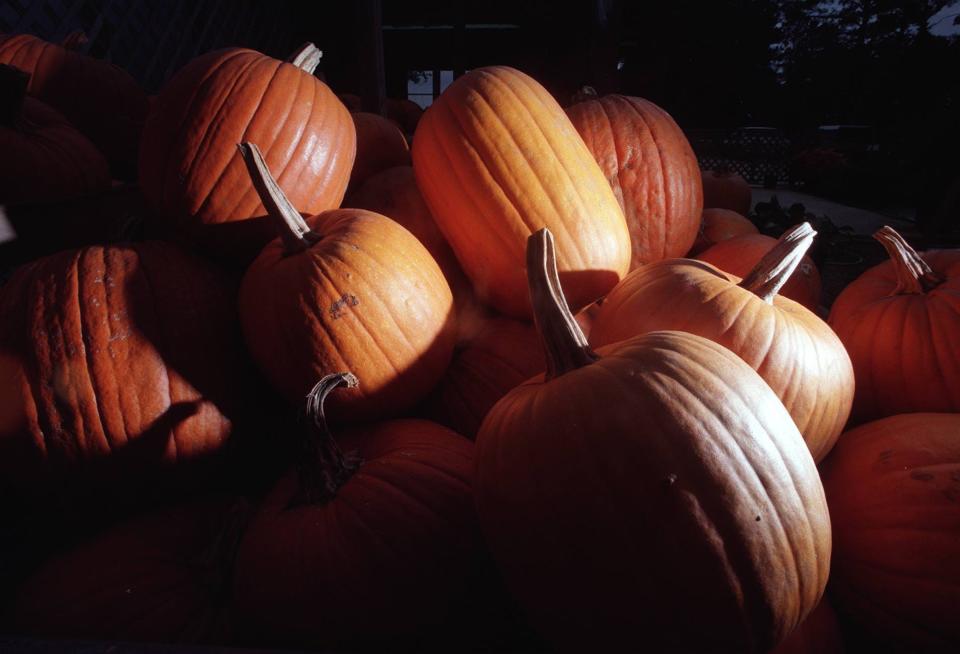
[[75, 41], [306, 58], [217, 559], [323, 467], [914, 275], [563, 341], [13, 89], [294, 231], [774, 269]]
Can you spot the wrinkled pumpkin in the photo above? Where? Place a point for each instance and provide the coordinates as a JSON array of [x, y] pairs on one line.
[[652, 495]]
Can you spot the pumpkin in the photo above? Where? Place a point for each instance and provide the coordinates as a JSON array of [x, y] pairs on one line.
[[121, 370], [726, 189], [818, 634], [98, 98], [162, 577], [740, 254], [794, 351], [719, 225], [367, 540], [661, 480], [351, 101], [652, 169], [76, 40], [893, 486], [496, 159], [503, 354], [900, 321], [345, 288], [44, 158], [189, 167], [394, 194], [380, 145], [404, 112]]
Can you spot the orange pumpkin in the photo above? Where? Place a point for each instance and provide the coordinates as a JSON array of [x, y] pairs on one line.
[[726, 189], [661, 480], [121, 371], [380, 145], [503, 354], [893, 486], [404, 112], [366, 542], [394, 193], [344, 289], [45, 159], [794, 351], [157, 578], [98, 98], [496, 159], [818, 634], [189, 167], [900, 321], [651, 168], [719, 225], [740, 254]]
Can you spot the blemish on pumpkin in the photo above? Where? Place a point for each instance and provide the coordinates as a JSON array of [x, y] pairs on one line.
[[669, 480], [885, 456], [346, 300], [952, 495], [920, 475], [757, 519]]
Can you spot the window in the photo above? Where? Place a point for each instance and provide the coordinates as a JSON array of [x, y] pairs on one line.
[[421, 88]]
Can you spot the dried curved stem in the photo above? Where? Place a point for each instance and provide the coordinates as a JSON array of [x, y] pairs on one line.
[[563, 341], [13, 89], [914, 275], [306, 58], [323, 467], [774, 269], [294, 231]]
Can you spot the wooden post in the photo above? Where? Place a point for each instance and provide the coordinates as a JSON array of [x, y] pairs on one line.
[[370, 59]]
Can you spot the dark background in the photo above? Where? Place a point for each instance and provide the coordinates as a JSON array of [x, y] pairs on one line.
[[789, 64]]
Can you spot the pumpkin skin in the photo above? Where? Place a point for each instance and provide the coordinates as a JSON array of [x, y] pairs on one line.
[[893, 487], [100, 99], [189, 167], [351, 101], [156, 578], [719, 225], [396, 540], [496, 159], [45, 159], [725, 189], [666, 485], [738, 255], [380, 145], [652, 169], [794, 351], [362, 293], [404, 112], [394, 194], [818, 634], [121, 367], [902, 334], [502, 355]]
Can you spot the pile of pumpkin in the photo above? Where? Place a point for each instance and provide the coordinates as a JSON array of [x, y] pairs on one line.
[[497, 350]]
